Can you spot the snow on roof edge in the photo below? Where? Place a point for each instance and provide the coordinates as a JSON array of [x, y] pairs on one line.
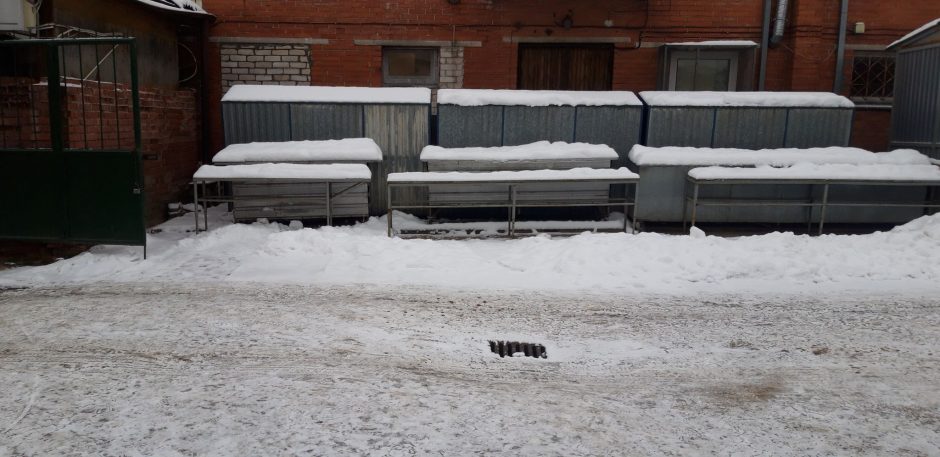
[[346, 149], [915, 33], [746, 99], [692, 156], [511, 97], [718, 43], [328, 94], [180, 8], [540, 150]]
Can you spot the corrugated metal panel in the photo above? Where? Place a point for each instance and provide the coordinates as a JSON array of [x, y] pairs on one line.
[[814, 127], [469, 126], [528, 124], [325, 121], [247, 122], [616, 126], [749, 128], [680, 126], [401, 131], [916, 115]]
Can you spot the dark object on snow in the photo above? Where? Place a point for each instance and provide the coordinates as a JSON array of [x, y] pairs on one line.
[[508, 348]]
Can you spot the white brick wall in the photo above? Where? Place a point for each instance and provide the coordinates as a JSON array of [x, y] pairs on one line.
[[274, 64], [451, 67]]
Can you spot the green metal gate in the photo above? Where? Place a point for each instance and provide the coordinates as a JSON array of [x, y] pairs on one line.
[[70, 163]]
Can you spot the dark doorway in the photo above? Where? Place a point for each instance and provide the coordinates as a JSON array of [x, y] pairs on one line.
[[566, 67]]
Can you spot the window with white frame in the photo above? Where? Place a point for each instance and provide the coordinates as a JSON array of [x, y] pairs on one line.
[[703, 70], [407, 66]]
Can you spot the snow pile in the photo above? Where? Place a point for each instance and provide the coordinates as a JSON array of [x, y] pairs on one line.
[[716, 43], [541, 150], [847, 172], [901, 259], [918, 31], [328, 94], [689, 156], [580, 174], [348, 150], [503, 97], [746, 99], [322, 172]]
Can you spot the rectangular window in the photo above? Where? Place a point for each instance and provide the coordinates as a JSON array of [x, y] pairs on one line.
[[703, 70], [872, 77], [410, 66]]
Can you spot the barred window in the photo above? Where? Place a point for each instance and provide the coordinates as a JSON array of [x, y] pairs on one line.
[[873, 77]]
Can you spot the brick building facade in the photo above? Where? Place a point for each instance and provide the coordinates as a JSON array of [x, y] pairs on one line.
[[484, 44]]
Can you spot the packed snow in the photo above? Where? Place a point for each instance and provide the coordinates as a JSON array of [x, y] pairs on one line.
[[314, 172], [716, 43], [541, 150], [918, 31], [328, 94], [345, 150], [580, 174], [689, 156], [904, 258], [207, 368], [836, 172], [502, 97], [746, 99]]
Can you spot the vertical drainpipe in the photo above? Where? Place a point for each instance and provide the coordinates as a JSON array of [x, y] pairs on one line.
[[840, 48], [764, 44]]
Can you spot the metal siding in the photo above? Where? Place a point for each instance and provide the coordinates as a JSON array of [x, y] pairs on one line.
[[528, 124], [819, 127], [248, 122], [916, 115], [680, 126], [750, 128], [401, 131], [325, 121], [469, 126], [616, 126]]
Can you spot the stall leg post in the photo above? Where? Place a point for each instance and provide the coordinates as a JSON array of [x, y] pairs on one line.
[[822, 212], [196, 203]]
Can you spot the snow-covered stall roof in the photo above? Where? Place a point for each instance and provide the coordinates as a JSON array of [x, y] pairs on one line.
[[916, 33], [481, 97], [178, 6], [309, 172], [836, 172], [574, 174], [746, 99], [345, 150], [328, 94], [688, 156], [716, 44], [541, 150]]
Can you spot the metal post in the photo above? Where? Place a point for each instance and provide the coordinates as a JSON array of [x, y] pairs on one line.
[[329, 203], [388, 196], [694, 204], [809, 213], [512, 210], [205, 206], [636, 192], [822, 212], [196, 203]]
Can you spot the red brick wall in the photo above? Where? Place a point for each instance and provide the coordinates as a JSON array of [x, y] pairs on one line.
[[805, 60], [170, 129], [871, 129]]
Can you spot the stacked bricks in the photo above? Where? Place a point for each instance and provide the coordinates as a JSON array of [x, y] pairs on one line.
[[270, 64], [451, 65]]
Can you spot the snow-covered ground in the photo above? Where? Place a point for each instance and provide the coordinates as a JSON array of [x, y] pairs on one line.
[[903, 259], [182, 369]]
